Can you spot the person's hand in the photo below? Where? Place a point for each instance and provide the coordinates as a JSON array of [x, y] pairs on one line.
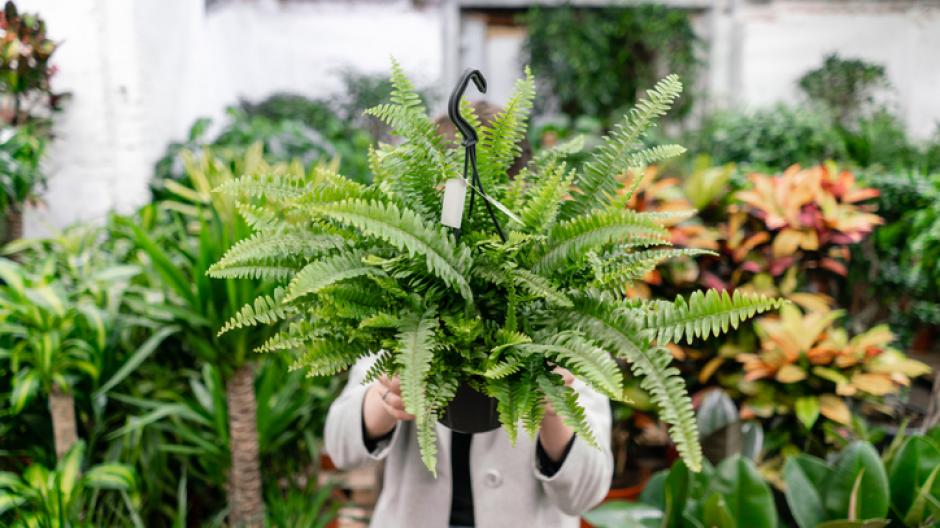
[[389, 391], [554, 434], [569, 379], [383, 407]]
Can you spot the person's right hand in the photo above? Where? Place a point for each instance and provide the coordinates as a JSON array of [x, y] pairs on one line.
[[383, 407]]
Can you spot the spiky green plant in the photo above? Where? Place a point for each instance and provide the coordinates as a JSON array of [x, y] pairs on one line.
[[369, 268]]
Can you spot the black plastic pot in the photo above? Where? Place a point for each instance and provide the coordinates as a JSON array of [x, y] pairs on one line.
[[471, 412]]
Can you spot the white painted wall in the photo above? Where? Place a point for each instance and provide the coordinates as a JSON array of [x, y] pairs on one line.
[[778, 42], [140, 72]]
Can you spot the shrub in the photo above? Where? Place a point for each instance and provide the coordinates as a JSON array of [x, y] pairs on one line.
[[602, 68]]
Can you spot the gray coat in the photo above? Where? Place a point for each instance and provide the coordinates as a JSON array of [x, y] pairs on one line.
[[508, 488]]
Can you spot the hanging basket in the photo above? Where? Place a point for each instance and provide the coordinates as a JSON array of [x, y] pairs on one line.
[[471, 412]]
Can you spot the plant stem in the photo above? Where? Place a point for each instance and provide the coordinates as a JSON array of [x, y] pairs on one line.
[[62, 410], [246, 505]]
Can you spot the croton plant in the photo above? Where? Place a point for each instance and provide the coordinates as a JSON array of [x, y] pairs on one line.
[[369, 269], [806, 363]]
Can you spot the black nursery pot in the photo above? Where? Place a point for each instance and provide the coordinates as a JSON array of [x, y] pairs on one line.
[[471, 412]]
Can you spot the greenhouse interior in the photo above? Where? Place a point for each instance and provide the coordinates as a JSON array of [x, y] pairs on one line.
[[470, 263]]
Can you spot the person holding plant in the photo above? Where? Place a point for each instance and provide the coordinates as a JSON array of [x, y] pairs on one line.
[[483, 480]]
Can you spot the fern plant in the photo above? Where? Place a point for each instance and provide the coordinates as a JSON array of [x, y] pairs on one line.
[[369, 268]]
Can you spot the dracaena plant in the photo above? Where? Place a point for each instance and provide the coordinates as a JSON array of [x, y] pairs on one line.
[[369, 268]]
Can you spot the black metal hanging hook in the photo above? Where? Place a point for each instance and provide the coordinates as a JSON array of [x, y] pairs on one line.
[[470, 142], [453, 105]]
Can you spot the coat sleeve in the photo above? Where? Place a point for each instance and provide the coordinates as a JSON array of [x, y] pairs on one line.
[[343, 433], [584, 477]]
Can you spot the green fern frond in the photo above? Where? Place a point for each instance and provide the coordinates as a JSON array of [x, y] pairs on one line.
[[259, 218], [427, 439], [295, 336], [277, 272], [421, 162], [541, 210], [599, 181], [651, 155], [704, 315], [264, 310], [617, 271], [403, 91], [564, 401], [351, 300], [326, 357], [277, 187], [500, 142], [269, 248], [538, 286], [405, 230], [415, 351], [503, 369], [592, 231], [612, 326], [328, 271], [583, 358]]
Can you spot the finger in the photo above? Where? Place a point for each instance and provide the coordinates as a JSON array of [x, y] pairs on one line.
[[394, 401], [395, 384], [566, 375], [401, 415]]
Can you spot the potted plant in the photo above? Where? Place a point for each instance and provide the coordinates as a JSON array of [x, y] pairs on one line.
[[369, 269]]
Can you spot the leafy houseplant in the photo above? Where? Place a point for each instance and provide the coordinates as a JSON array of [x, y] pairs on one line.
[[66, 496], [370, 269]]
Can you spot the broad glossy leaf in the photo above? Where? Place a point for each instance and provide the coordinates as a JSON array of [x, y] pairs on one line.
[[715, 412], [654, 491], [869, 523], [807, 410], [622, 514], [910, 470], [747, 496], [803, 474], [716, 513], [872, 499]]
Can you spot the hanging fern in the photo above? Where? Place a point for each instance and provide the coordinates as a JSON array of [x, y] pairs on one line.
[[703, 315], [617, 153], [369, 268]]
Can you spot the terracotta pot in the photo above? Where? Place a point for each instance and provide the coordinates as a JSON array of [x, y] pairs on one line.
[[471, 412]]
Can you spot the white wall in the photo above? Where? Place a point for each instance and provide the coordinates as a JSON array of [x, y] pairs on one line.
[[142, 71], [756, 51], [780, 41]]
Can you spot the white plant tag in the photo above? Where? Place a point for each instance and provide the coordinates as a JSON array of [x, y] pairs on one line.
[[455, 194]]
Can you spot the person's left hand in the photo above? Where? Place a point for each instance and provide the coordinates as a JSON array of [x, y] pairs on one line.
[[569, 379]]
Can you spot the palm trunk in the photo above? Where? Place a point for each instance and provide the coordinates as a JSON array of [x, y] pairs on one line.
[[14, 223], [65, 431], [246, 506]]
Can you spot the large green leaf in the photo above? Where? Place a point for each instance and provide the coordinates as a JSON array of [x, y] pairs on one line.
[[622, 514], [25, 386], [803, 474], [910, 469], [746, 495], [858, 460]]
